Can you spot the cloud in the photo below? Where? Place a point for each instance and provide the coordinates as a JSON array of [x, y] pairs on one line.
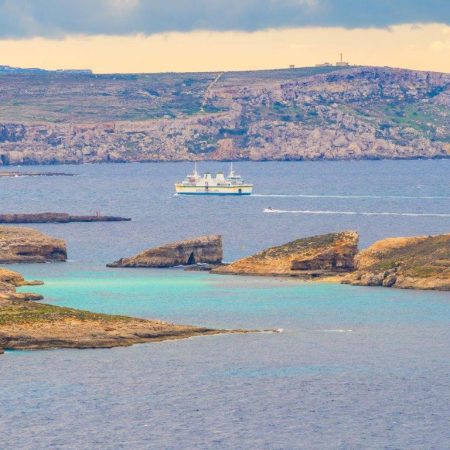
[[59, 18], [440, 46]]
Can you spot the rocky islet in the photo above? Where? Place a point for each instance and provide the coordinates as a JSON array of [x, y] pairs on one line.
[[199, 250]]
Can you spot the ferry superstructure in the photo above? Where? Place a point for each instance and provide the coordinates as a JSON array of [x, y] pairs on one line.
[[194, 184]]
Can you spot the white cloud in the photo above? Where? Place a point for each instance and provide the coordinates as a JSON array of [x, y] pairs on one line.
[[440, 46]]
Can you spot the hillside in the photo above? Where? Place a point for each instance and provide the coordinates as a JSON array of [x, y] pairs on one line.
[[298, 114]]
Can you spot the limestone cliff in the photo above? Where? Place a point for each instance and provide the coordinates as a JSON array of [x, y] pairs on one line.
[[204, 249], [311, 257], [26, 245], [298, 114], [421, 262]]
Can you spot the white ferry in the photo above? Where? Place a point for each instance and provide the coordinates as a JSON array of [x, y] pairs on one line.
[[194, 184]]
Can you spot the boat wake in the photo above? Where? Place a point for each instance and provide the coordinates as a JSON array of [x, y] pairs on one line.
[[352, 213], [402, 197], [337, 331]]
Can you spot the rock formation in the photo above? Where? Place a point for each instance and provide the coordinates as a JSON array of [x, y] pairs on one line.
[[26, 245], [9, 281], [421, 262], [51, 217], [316, 256], [204, 249]]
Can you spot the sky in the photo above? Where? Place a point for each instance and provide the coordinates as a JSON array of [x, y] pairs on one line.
[[218, 35]]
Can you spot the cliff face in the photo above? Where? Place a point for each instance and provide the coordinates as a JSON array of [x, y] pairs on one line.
[[19, 245], [204, 249], [316, 256], [421, 262], [299, 114]]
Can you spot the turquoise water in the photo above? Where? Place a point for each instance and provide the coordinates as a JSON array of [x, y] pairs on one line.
[[227, 301], [353, 367]]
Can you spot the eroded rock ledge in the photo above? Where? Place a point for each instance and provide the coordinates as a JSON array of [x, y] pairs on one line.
[[28, 325], [420, 262], [200, 250], [312, 257], [26, 245], [52, 217]]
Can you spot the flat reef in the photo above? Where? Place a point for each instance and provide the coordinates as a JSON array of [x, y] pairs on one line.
[[52, 217], [10, 174]]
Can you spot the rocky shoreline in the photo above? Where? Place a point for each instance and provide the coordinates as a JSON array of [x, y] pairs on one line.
[[420, 262], [52, 217], [25, 325]]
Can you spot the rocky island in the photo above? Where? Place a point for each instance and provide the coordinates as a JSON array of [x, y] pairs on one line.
[[52, 217], [26, 245], [25, 325], [317, 256], [200, 250], [420, 262]]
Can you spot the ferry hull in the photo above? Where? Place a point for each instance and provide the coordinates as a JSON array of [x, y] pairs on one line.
[[213, 190]]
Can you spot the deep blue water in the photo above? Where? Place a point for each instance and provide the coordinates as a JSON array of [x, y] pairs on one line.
[[353, 368]]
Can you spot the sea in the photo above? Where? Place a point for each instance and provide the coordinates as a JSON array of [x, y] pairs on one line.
[[349, 368]]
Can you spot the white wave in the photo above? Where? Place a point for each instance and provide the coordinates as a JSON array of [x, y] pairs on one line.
[[336, 331], [352, 213], [429, 197]]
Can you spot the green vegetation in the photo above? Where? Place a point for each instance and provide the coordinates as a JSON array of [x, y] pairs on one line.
[[20, 312], [423, 259], [308, 244]]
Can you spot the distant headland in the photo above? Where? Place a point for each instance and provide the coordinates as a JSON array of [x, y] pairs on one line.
[[311, 113]]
